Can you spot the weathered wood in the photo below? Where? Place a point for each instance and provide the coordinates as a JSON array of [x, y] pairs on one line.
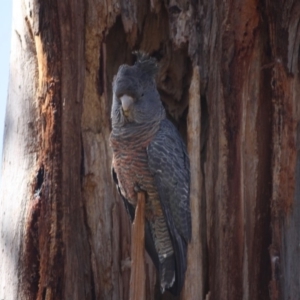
[[19, 155], [194, 289], [64, 233], [138, 274], [49, 91], [284, 35]]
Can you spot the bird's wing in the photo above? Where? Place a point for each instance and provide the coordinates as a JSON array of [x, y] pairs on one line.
[[169, 164]]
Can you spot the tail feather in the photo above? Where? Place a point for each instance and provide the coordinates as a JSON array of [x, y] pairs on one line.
[[180, 251], [167, 273]]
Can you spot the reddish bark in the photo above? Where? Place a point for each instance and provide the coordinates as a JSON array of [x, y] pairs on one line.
[[229, 75]]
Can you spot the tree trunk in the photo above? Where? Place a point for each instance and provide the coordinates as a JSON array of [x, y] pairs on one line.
[[229, 79]]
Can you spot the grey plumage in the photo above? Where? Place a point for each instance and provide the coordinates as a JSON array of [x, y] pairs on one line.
[[149, 155]]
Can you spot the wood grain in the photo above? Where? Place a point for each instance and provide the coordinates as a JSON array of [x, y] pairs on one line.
[[229, 77], [138, 275]]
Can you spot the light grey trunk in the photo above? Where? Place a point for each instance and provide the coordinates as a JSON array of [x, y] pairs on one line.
[[19, 154]]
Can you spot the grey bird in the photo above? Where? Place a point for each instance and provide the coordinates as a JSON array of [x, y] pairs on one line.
[[149, 155]]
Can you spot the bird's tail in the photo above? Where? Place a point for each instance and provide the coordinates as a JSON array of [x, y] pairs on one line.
[[180, 253], [167, 272], [173, 267]]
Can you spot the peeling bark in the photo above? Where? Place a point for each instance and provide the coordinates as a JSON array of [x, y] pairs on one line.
[[229, 79]]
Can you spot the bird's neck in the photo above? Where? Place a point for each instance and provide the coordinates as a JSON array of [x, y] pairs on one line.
[[135, 132]]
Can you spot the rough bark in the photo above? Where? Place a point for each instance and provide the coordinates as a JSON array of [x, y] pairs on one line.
[[51, 257], [138, 272], [229, 79]]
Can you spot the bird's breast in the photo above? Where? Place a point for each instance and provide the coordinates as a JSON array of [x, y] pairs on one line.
[[131, 166], [130, 162]]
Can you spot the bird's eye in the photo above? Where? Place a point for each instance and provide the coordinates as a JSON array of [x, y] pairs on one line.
[[142, 95]]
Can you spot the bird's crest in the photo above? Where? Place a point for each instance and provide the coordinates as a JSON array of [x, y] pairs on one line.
[[146, 63]]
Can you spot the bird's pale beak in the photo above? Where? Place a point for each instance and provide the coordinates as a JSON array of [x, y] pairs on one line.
[[126, 103]]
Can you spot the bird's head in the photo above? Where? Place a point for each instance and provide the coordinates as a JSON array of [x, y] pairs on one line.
[[135, 97]]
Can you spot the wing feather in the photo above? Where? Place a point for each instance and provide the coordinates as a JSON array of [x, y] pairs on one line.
[[169, 164]]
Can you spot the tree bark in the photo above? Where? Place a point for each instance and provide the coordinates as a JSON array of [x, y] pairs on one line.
[[138, 272], [229, 79]]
